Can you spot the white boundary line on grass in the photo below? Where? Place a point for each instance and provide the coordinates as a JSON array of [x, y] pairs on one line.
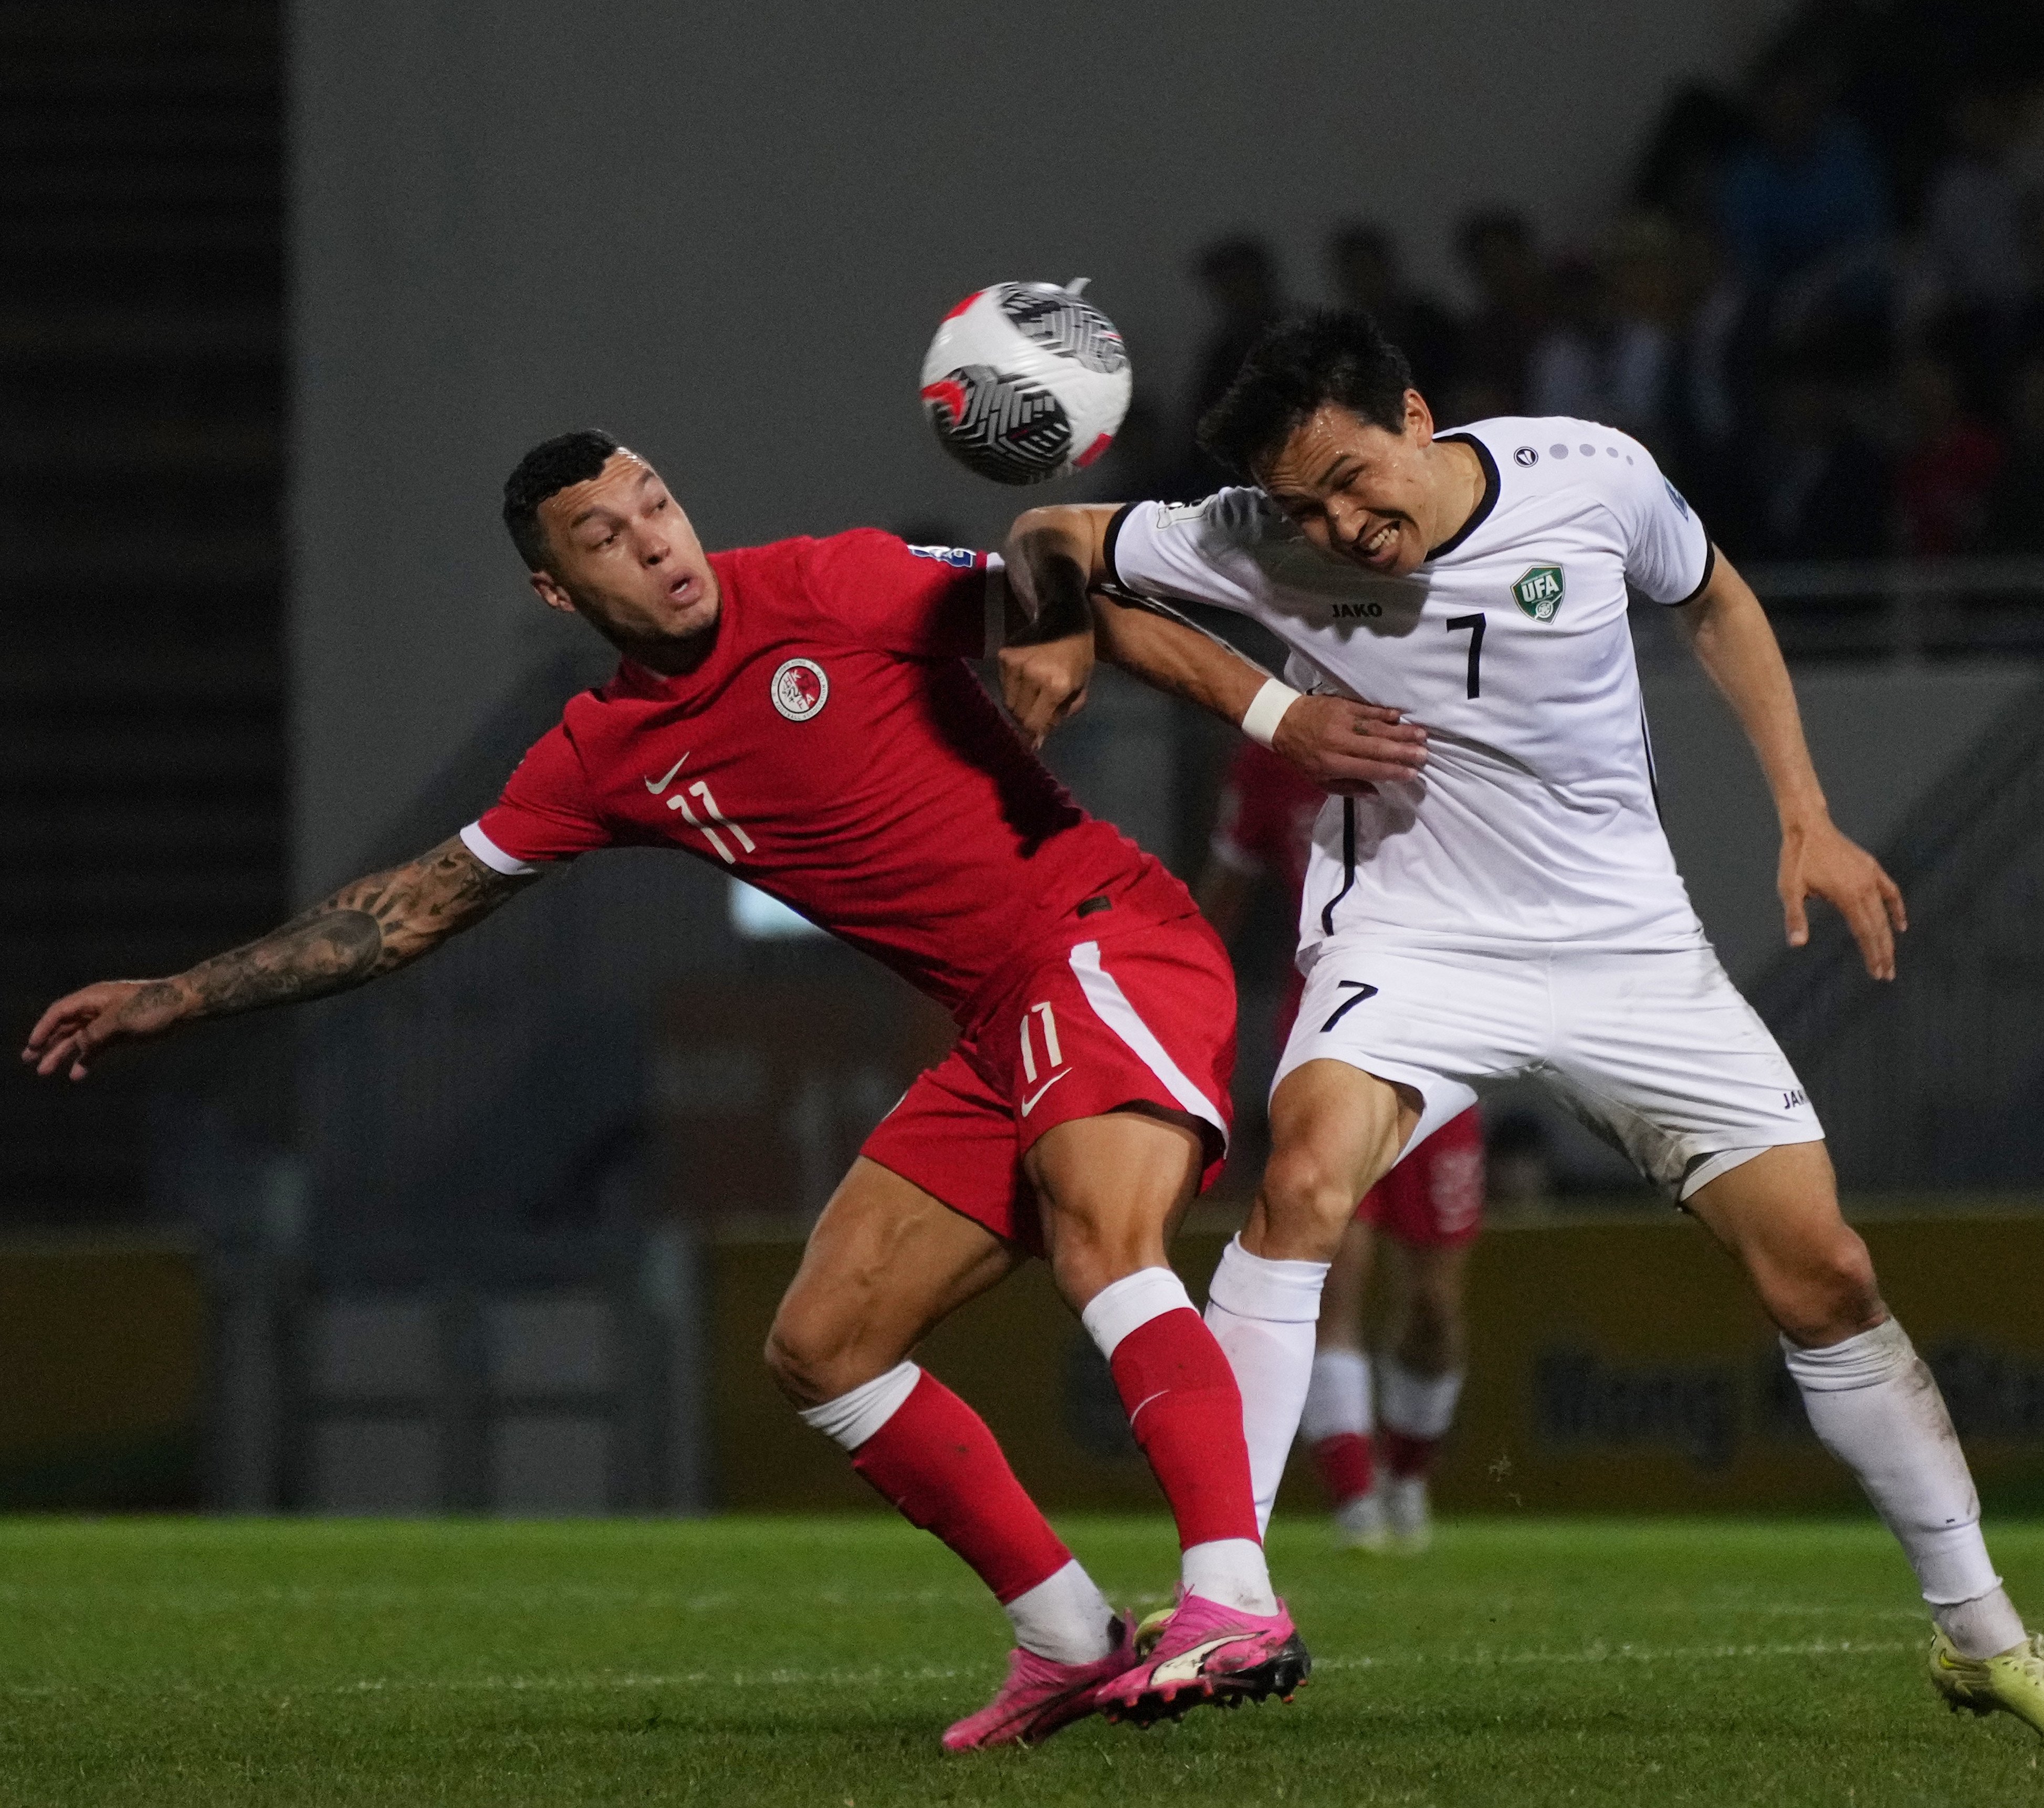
[[866, 1679], [1599, 1653], [1634, 1654]]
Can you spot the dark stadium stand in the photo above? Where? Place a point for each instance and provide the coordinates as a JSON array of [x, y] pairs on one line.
[[141, 403]]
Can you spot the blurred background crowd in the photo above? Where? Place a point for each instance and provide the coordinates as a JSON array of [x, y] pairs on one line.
[[1822, 309]]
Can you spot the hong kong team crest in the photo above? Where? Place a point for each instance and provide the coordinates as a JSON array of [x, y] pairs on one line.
[[800, 689], [1539, 592]]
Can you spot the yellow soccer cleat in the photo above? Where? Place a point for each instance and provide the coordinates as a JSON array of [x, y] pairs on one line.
[[1152, 1629], [2013, 1682]]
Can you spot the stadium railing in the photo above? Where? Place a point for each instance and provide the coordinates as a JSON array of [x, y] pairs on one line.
[[1932, 1083], [1904, 610]]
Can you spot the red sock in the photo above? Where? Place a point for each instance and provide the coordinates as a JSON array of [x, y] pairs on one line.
[[935, 1460], [1406, 1456], [1347, 1465], [1185, 1410]]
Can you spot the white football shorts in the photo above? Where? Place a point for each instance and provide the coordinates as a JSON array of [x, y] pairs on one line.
[[1653, 1048]]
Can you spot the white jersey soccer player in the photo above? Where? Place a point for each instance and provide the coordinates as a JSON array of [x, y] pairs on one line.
[[1511, 907], [1533, 831]]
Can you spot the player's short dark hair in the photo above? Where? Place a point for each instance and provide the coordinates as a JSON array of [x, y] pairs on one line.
[[549, 467], [1301, 363]]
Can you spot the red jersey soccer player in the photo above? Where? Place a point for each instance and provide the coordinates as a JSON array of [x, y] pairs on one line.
[[1430, 1207], [800, 714]]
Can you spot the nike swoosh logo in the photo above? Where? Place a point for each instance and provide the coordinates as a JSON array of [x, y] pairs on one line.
[[1029, 1104], [669, 779]]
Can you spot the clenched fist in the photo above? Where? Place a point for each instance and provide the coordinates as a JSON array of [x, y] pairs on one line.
[[1044, 682]]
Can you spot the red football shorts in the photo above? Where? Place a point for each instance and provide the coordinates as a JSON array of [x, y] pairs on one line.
[[1141, 1015], [1435, 1194]]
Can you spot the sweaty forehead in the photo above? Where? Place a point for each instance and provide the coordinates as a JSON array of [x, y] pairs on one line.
[[1315, 450]]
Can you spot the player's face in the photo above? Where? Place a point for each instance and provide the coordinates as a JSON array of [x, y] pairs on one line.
[[1358, 491], [621, 552]]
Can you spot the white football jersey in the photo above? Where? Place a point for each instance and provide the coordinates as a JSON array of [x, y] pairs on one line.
[[1534, 820]]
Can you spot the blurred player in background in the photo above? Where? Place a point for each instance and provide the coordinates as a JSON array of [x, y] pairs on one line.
[[801, 715], [1262, 832], [1428, 1208], [1515, 909]]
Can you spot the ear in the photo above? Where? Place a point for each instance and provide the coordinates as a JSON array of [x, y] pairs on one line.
[[548, 588], [1419, 417]]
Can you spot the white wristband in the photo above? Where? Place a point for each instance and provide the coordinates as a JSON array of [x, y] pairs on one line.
[[1267, 708]]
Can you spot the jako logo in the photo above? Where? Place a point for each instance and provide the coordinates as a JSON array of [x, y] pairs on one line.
[[959, 558]]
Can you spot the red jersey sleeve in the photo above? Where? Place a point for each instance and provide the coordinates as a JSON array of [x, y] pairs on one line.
[[545, 813], [1255, 817], [927, 602], [1230, 843]]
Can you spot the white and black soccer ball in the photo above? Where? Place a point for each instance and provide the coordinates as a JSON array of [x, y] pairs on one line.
[[1025, 381]]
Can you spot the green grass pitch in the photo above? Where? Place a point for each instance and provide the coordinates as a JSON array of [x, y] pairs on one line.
[[763, 1662]]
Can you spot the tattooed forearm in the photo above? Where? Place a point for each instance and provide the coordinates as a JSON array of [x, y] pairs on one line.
[[365, 928], [324, 951]]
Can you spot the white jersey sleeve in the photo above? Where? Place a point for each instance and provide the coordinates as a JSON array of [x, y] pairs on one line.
[[1194, 552], [1669, 557]]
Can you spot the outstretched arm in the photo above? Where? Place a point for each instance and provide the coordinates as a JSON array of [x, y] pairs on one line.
[[1727, 630], [368, 927], [1055, 556]]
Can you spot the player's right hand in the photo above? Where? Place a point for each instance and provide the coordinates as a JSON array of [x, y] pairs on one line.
[[1045, 681], [75, 1030], [1350, 748]]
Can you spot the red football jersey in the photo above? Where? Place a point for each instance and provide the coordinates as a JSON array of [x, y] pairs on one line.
[[1265, 819], [834, 751], [1265, 825]]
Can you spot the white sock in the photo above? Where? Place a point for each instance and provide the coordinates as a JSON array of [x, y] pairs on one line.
[[1065, 1617], [1262, 1313], [1231, 1571], [1127, 1305], [851, 1418], [1985, 1627], [1338, 1398], [1875, 1405], [1420, 1406]]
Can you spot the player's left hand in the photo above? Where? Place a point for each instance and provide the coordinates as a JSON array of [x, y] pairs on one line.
[[1044, 682], [1349, 749], [1819, 862]]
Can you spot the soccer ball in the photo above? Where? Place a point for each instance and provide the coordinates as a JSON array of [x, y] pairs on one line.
[[1024, 381]]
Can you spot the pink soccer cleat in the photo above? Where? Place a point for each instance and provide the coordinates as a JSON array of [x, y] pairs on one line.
[[1038, 1697], [1208, 1653]]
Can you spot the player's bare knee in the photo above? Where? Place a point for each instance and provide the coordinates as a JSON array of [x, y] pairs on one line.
[[1829, 1293], [791, 1374], [803, 1359], [1851, 1284], [1307, 1198], [1081, 1265]]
